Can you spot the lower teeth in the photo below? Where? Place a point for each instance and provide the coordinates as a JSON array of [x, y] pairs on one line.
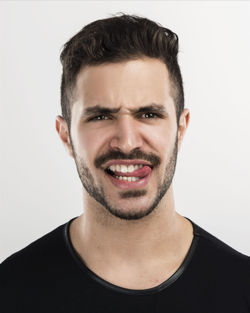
[[127, 178]]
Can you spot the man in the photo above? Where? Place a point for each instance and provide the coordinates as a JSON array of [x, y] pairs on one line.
[[123, 121]]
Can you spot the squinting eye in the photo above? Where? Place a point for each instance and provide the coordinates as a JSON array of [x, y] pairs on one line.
[[150, 114], [98, 118]]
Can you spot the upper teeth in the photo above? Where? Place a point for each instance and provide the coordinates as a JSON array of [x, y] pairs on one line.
[[124, 168]]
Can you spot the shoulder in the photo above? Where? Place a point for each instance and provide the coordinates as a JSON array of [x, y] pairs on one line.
[[34, 273], [220, 257], [38, 256], [218, 245]]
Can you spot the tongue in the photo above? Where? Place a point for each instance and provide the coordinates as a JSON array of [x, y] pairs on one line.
[[140, 172]]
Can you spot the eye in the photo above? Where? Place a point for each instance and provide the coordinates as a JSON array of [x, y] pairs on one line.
[[98, 118], [151, 115]]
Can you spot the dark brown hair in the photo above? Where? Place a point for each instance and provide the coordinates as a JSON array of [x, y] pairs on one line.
[[117, 39]]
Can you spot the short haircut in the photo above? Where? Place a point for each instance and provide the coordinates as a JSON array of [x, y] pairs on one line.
[[117, 39]]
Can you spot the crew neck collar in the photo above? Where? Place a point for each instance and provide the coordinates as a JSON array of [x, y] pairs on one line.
[[119, 289]]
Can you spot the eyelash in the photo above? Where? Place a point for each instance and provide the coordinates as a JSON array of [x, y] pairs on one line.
[[95, 117]]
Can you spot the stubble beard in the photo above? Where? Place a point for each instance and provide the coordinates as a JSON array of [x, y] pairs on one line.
[[98, 193]]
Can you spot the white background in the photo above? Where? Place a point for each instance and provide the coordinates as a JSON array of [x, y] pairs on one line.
[[39, 185]]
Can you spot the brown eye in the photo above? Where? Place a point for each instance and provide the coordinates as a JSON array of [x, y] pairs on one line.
[[98, 118], [150, 115]]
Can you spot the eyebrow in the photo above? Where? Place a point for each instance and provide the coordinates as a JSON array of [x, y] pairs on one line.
[[98, 109]]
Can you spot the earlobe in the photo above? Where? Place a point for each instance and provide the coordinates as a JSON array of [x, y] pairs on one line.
[[62, 130]]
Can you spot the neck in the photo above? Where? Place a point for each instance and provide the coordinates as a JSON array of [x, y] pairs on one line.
[[159, 236]]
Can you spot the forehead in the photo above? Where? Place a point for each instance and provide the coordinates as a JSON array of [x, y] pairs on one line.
[[127, 84]]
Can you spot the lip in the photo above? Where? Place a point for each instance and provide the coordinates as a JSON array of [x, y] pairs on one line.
[[124, 184], [126, 162]]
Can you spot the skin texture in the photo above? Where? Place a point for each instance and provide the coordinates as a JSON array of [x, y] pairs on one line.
[[132, 238]]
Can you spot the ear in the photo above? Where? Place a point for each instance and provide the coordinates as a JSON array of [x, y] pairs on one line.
[[63, 132], [183, 124]]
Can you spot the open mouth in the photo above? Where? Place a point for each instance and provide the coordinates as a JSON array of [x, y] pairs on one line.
[[123, 176], [135, 177]]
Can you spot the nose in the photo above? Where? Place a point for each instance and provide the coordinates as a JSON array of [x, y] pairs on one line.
[[126, 135]]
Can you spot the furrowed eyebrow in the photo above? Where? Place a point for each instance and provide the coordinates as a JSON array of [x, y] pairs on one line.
[[97, 109], [151, 107]]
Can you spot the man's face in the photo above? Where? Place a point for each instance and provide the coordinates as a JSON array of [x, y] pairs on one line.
[[125, 157]]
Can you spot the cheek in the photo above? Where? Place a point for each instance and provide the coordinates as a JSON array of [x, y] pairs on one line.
[[163, 142], [160, 137], [90, 139], [88, 143]]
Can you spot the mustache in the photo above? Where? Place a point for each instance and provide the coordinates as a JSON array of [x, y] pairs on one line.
[[153, 159]]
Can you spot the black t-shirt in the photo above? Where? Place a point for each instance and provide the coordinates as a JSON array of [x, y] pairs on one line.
[[48, 276]]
